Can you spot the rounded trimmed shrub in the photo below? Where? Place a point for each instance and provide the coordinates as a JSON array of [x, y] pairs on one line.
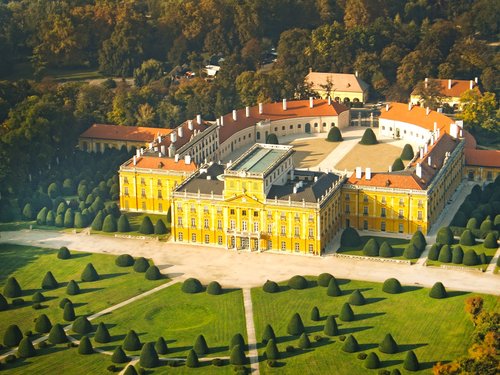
[[124, 260], [79, 220], [418, 239], [324, 279], [57, 334], [445, 254], [357, 298], [486, 225], [26, 348], [398, 165], [98, 221], [89, 273], [386, 250], [467, 238], [82, 325], [333, 288], [63, 302], [161, 346], [123, 224], [434, 252], [272, 139], [297, 282], [131, 341], [438, 291], [63, 253], [214, 288], [69, 218], [28, 211], [361, 356], [69, 312], [490, 242], [268, 334], [315, 317], [59, 222], [295, 326], [192, 359], [49, 282], [237, 356], [146, 226], [41, 217], [119, 355], [4, 305], [153, 273], [85, 346], [411, 252], [350, 345], [200, 345], [12, 336], [109, 225], [445, 236], [237, 339], [102, 334], [457, 255], [160, 227], [12, 289], [272, 351], [149, 357], [411, 362], [141, 264], [470, 258], [270, 287], [334, 135], [483, 259], [371, 248], [346, 313], [407, 153], [372, 361], [388, 345], [472, 223], [192, 286], [130, 370], [392, 286], [368, 138], [331, 328], [350, 237]]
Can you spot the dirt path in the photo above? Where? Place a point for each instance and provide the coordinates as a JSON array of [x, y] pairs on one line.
[[253, 355]]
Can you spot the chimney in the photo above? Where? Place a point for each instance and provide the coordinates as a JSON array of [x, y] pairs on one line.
[[387, 107], [425, 149], [409, 106], [390, 168], [138, 152], [471, 84], [356, 73], [190, 125], [476, 80], [426, 82], [261, 108], [454, 130], [247, 111], [284, 104], [311, 102], [222, 121], [427, 111], [180, 131], [198, 119], [432, 140], [187, 159], [163, 149], [159, 139], [449, 84], [329, 100], [171, 150], [461, 133], [173, 137], [429, 161], [418, 170], [135, 160], [176, 158], [235, 117], [359, 172], [295, 189], [368, 174], [217, 121], [421, 152], [160, 155]]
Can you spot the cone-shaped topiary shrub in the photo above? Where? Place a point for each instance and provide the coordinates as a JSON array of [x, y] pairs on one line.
[[371, 248], [268, 334], [38, 297], [89, 273], [304, 341], [153, 273], [59, 222], [149, 357], [160, 227], [418, 239], [41, 217], [445, 254], [333, 289], [386, 250], [295, 326], [483, 259], [200, 345], [161, 346], [102, 334], [79, 220], [237, 356], [130, 370], [28, 211], [131, 341], [486, 225], [57, 334], [51, 218], [315, 317], [350, 237], [457, 255], [467, 238], [12, 289], [407, 153], [472, 223], [411, 362], [63, 302], [12, 336], [490, 242], [411, 252], [395, 372], [398, 165], [270, 287], [368, 138], [272, 351], [372, 361], [26, 348], [98, 221], [438, 291], [471, 258], [123, 224], [146, 226], [350, 345], [141, 264], [392, 286], [49, 281], [124, 260], [119, 356], [82, 325], [4, 305], [109, 225], [192, 359], [444, 236], [388, 345], [69, 218], [237, 339], [346, 313], [63, 253], [192, 285], [69, 312], [85, 346], [357, 298], [324, 279], [214, 288], [334, 135], [297, 282], [434, 252], [331, 327]]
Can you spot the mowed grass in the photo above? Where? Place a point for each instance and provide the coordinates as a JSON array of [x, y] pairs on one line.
[[398, 246], [437, 330], [29, 266], [180, 318]]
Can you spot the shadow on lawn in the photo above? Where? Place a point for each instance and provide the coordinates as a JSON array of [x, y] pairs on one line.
[[407, 347], [373, 300], [77, 255], [359, 317], [178, 349], [14, 257], [391, 362], [111, 275], [350, 330], [89, 290], [363, 347], [457, 293], [411, 288]]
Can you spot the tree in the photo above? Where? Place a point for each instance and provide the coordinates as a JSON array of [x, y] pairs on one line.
[[407, 153], [150, 70], [350, 345], [124, 260], [237, 356], [467, 238], [486, 225], [397, 165], [331, 327], [411, 252], [146, 226], [72, 288], [315, 317], [371, 248], [160, 227], [270, 287], [430, 94], [372, 361], [357, 298], [386, 250], [237, 339], [63, 302], [69, 218], [368, 138], [53, 190], [268, 334], [12, 336], [350, 237], [131, 341], [445, 255], [272, 351], [297, 282], [346, 313], [123, 224], [295, 326], [141, 264], [200, 345], [418, 239], [85, 346], [63, 253], [214, 288], [388, 345], [80, 220], [490, 242], [272, 139], [392, 286], [26, 348], [411, 362], [479, 111], [41, 217], [304, 342], [69, 312], [153, 273], [470, 258], [334, 135], [472, 223], [109, 225], [324, 279], [333, 288], [119, 355], [89, 273], [38, 297], [12, 289], [438, 291], [98, 221], [192, 359], [28, 211], [149, 357], [191, 285], [161, 346], [444, 236], [57, 334], [130, 370], [458, 255], [81, 325], [473, 307], [102, 334]]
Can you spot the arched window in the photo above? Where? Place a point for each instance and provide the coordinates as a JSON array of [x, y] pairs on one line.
[[258, 135]]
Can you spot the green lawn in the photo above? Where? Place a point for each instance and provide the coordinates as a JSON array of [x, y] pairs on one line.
[[29, 265], [437, 330], [478, 248], [398, 245], [180, 318]]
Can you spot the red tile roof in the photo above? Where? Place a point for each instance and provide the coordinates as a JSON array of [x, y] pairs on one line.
[[166, 164], [124, 133], [393, 180], [274, 112], [417, 115], [482, 158], [187, 134], [458, 87]]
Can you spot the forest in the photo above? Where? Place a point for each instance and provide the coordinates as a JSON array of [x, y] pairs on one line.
[[393, 44]]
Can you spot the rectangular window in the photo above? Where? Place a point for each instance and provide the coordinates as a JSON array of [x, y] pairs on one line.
[[401, 228], [283, 245], [420, 203], [269, 228], [365, 210], [207, 238], [219, 224], [311, 232], [347, 197], [311, 218], [159, 194], [283, 230], [159, 182], [125, 180], [347, 209], [297, 247], [180, 237], [193, 222], [419, 215], [311, 248], [383, 200], [283, 217], [401, 202], [160, 207], [365, 224], [256, 226], [401, 214], [297, 231], [206, 224], [126, 190], [205, 209], [382, 226], [382, 213], [255, 213], [243, 213], [232, 224], [143, 182], [193, 237], [365, 199], [231, 211], [219, 240], [269, 244], [144, 206], [179, 221], [143, 193], [244, 225]]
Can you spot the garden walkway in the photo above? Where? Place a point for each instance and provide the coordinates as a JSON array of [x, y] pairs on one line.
[[253, 355]]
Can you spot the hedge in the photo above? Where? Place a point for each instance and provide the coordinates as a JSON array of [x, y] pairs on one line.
[[483, 259], [124, 260], [59, 222], [268, 334], [38, 297], [334, 135], [445, 254], [102, 334], [272, 351], [398, 165], [123, 224], [85, 346], [333, 288], [160, 227], [438, 291], [407, 153], [304, 342], [161, 346], [69, 312], [411, 362], [237, 339], [388, 345], [270, 287], [392, 286], [192, 285], [297, 282], [69, 218], [149, 357], [357, 298], [192, 359], [109, 225], [486, 225], [457, 255], [26, 348], [434, 252], [51, 218], [63, 302], [141, 264], [411, 252], [372, 361], [315, 317], [200, 345], [444, 236], [146, 226], [324, 279], [471, 258], [89, 273], [82, 325], [57, 334], [467, 238], [4, 305], [131, 341], [350, 345], [28, 211], [153, 273], [350, 237], [490, 241], [63, 253], [418, 239], [119, 356], [472, 223], [368, 138], [214, 288], [41, 217], [237, 356], [386, 250], [295, 325], [130, 370], [12, 289], [331, 327], [371, 248], [12, 336], [98, 221], [346, 313]]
